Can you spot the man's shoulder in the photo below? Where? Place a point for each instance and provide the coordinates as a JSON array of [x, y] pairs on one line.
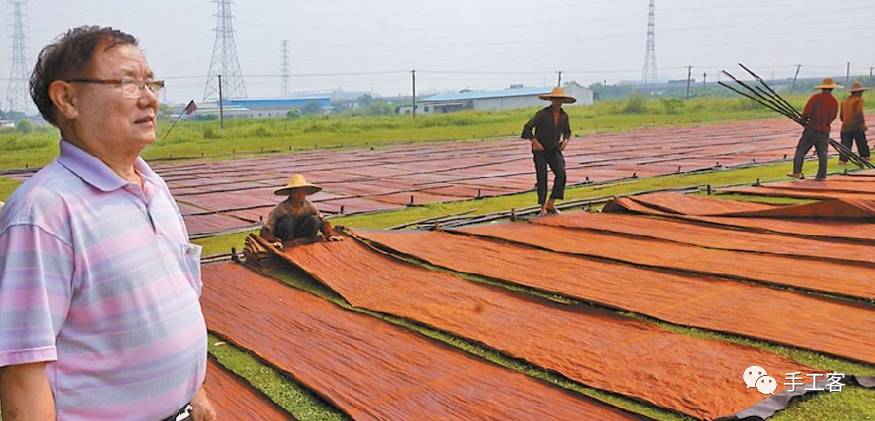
[[41, 198]]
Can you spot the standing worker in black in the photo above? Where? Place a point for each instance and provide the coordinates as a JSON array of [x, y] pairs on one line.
[[549, 133]]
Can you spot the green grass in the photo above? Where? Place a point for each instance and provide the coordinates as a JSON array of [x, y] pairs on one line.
[[247, 137], [292, 397], [7, 186]]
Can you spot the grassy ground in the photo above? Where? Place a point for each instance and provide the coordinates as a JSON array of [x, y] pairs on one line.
[[7, 186], [246, 137]]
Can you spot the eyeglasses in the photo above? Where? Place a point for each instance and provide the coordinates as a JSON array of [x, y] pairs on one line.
[[131, 88]]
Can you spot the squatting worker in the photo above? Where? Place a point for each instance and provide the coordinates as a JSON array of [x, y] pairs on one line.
[[820, 110], [99, 286], [549, 132], [295, 220], [854, 123]]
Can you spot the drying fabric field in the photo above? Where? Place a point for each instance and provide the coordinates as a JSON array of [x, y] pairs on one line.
[[225, 195], [591, 297]]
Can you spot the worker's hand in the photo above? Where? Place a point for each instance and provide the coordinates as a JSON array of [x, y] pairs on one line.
[[335, 238], [537, 146], [563, 144]]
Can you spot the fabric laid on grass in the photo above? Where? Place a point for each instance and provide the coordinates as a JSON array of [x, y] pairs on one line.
[[702, 301], [685, 204], [705, 206], [795, 193], [599, 348], [369, 368], [819, 276], [843, 230], [712, 237], [234, 399]]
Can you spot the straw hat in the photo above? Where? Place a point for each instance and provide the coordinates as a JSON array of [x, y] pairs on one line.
[[828, 83], [858, 87], [297, 182], [558, 93]]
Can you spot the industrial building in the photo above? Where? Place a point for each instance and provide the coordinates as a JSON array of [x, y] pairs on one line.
[[265, 107], [517, 96]]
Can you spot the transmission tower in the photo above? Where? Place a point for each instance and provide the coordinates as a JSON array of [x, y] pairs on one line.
[[648, 75], [17, 97], [284, 70], [224, 61]]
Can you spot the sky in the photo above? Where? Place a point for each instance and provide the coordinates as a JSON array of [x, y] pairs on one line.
[[371, 45]]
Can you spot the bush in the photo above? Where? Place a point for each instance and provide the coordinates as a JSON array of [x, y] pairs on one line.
[[262, 131], [24, 126], [635, 105], [211, 133], [293, 114], [672, 105]]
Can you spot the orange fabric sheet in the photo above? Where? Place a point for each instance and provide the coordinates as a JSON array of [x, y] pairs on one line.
[[818, 276], [796, 193], [234, 399], [369, 368], [857, 231], [703, 301], [623, 355], [713, 237]]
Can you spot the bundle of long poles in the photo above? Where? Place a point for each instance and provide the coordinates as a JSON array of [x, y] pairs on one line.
[[761, 93]]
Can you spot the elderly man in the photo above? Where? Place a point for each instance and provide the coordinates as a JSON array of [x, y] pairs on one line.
[[99, 312]]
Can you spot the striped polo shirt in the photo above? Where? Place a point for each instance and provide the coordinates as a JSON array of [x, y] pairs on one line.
[[98, 279]]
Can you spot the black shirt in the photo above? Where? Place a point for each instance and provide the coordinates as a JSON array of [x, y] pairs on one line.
[[547, 133]]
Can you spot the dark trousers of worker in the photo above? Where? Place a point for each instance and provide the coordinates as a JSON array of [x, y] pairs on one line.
[[290, 228], [859, 136], [553, 158], [820, 141]]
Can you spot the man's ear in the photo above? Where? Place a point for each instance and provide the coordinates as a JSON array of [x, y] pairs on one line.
[[63, 95]]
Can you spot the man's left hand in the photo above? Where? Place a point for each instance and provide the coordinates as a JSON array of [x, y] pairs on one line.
[[202, 408], [563, 144]]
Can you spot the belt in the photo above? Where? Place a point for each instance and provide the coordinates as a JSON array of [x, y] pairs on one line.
[[183, 413]]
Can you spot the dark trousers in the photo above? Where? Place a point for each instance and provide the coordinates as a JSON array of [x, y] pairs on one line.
[[820, 141], [290, 228], [848, 139], [552, 157]]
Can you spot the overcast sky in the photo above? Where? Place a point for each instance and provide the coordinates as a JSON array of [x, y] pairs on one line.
[[374, 44]]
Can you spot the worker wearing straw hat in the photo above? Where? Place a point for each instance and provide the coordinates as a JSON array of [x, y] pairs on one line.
[[549, 132], [854, 123], [295, 220], [820, 110]]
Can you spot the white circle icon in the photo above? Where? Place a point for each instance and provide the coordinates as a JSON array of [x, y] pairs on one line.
[[751, 374], [767, 385]]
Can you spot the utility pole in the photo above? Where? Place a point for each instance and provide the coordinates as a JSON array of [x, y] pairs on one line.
[[559, 83], [704, 80], [793, 86], [689, 76], [413, 79], [221, 106], [870, 72], [848, 73]]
